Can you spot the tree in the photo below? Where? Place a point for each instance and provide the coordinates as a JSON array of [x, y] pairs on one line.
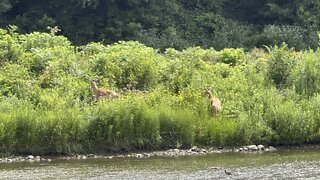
[[6, 5], [166, 23]]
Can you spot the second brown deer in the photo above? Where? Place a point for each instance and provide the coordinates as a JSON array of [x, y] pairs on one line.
[[215, 103], [103, 92]]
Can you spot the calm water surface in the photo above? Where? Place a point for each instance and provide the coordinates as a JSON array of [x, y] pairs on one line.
[[282, 164]]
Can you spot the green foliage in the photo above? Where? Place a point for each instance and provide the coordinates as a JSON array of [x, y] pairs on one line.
[[9, 42], [126, 62], [294, 36], [252, 129], [123, 125], [15, 80], [292, 124], [306, 77], [313, 107], [63, 133], [176, 128], [38, 40], [282, 62], [231, 56], [28, 130], [218, 132], [161, 40], [47, 105], [171, 23]]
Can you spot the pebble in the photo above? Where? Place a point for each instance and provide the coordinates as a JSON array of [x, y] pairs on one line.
[[261, 147], [252, 148], [139, 155], [30, 157]]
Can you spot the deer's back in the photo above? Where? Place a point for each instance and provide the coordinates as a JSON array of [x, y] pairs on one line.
[[216, 104], [106, 92]]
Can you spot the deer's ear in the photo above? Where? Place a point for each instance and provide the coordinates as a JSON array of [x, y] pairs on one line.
[[209, 88]]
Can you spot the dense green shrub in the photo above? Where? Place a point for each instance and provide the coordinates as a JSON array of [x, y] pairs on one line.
[[15, 80], [305, 77], [10, 47], [126, 62], [282, 61], [231, 56]]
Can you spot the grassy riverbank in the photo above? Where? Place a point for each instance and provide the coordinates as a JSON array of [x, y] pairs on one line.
[[46, 104]]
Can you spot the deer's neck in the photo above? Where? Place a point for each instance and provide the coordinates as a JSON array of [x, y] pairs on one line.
[[94, 86]]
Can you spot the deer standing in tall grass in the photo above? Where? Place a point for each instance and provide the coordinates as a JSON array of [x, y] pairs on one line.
[[215, 103], [130, 87], [103, 92]]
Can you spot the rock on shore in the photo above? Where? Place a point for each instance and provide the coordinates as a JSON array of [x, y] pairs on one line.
[[29, 158], [193, 151]]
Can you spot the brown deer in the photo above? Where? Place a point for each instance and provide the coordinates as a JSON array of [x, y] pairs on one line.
[[215, 103], [103, 92], [131, 87]]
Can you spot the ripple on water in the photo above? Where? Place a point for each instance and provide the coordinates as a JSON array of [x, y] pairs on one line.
[[259, 166]]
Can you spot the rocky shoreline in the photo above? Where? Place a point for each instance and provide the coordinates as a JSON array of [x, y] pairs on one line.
[[193, 151], [29, 158]]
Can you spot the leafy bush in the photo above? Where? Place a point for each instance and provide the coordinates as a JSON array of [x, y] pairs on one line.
[[231, 56], [126, 62], [305, 77], [15, 80], [10, 48], [282, 62], [38, 40]]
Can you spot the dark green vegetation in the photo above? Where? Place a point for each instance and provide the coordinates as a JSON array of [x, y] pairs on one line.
[[46, 105], [172, 23]]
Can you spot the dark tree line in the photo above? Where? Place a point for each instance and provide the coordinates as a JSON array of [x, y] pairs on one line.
[[172, 23]]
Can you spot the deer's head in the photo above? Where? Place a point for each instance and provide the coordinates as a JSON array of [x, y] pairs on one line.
[[208, 90]]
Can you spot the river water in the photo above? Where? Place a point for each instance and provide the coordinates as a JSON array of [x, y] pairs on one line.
[[280, 164]]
